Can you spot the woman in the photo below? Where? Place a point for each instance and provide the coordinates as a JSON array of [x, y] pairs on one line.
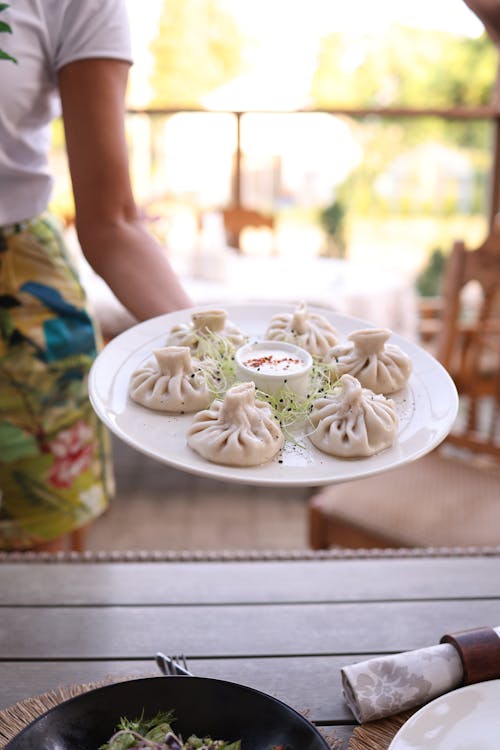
[[54, 456]]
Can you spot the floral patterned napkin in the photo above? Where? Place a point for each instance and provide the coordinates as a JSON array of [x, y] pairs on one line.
[[387, 685]]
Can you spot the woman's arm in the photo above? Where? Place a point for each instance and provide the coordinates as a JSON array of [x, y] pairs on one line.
[[111, 234]]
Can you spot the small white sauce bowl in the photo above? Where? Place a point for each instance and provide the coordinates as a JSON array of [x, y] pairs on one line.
[[273, 365]]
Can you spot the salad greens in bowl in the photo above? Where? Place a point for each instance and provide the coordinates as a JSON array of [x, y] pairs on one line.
[[175, 713]]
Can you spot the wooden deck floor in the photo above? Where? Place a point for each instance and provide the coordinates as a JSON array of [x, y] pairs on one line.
[[159, 508]]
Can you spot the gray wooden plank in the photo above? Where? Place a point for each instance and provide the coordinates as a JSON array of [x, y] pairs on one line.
[[311, 684], [138, 632], [232, 582]]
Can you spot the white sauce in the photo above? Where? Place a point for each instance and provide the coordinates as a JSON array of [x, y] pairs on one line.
[[273, 361]]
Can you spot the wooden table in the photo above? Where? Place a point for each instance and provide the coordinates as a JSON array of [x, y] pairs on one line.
[[282, 623]]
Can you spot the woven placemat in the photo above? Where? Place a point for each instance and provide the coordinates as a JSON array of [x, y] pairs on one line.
[[378, 735], [16, 717]]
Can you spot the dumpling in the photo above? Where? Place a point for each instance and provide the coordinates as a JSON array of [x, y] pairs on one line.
[[202, 323], [383, 368], [353, 421], [237, 430], [309, 330], [171, 382]]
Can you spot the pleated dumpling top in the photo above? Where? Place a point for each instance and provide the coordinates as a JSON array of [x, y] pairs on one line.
[[379, 366], [205, 325], [353, 422], [170, 382], [309, 330], [238, 430]]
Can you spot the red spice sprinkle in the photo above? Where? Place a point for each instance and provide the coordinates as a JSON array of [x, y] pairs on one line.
[[270, 360]]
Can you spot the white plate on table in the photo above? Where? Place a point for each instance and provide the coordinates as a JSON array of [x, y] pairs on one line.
[[464, 719], [427, 407]]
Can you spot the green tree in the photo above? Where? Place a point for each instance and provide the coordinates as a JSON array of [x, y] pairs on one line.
[[405, 67], [430, 279], [410, 68], [198, 47], [332, 221]]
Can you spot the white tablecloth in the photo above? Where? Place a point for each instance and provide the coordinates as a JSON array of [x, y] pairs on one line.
[[380, 297]]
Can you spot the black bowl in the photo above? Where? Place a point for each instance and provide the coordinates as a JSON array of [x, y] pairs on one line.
[[202, 706]]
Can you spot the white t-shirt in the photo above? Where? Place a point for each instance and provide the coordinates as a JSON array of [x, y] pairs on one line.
[[46, 34]]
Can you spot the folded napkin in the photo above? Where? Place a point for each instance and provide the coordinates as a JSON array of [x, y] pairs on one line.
[[387, 685]]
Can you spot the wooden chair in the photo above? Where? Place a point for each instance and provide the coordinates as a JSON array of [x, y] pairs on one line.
[[452, 496], [237, 218], [430, 311]]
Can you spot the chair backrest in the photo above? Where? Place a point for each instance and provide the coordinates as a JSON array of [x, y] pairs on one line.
[[469, 342], [237, 218]]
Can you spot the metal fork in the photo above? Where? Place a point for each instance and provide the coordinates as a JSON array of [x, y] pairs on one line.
[[172, 666]]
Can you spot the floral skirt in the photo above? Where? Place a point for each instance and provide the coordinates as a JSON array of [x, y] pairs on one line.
[[55, 459]]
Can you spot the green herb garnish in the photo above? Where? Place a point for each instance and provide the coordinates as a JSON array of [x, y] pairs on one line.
[[292, 410], [217, 361], [157, 734]]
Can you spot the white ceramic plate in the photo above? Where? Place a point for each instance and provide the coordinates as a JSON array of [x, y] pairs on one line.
[[465, 719], [427, 407]]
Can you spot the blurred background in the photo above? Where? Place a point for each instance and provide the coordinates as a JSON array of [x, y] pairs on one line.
[[361, 128]]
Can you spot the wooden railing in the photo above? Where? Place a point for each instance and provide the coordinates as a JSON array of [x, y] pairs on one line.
[[486, 112]]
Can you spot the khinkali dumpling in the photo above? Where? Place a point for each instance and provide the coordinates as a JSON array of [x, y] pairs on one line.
[[309, 330], [353, 421], [170, 382], [383, 368], [203, 323], [237, 430]]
